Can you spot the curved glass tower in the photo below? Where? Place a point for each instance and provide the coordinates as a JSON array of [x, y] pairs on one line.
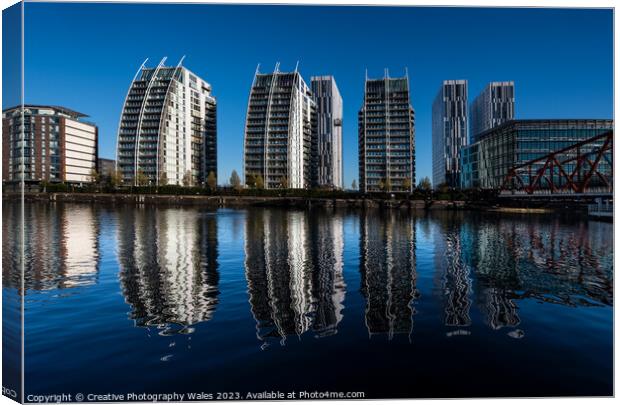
[[280, 123], [167, 132]]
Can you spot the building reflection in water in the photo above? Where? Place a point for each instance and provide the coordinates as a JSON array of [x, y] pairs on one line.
[[61, 246], [169, 270], [293, 266], [388, 273], [454, 271], [327, 248], [512, 259]]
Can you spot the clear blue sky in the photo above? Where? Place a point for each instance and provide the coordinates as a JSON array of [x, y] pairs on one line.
[[83, 56]]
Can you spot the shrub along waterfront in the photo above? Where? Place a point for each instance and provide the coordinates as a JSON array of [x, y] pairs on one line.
[[417, 194]]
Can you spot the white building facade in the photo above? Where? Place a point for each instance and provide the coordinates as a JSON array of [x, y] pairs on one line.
[[280, 123], [168, 130]]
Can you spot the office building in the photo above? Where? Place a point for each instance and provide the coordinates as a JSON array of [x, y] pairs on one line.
[[279, 130], [449, 132], [493, 106], [167, 132], [487, 162], [386, 136], [47, 143], [327, 162]]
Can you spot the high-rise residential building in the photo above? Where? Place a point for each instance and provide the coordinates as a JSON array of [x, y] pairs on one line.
[[493, 106], [279, 130], [487, 162], [386, 136], [47, 143], [449, 132], [167, 132], [327, 164]]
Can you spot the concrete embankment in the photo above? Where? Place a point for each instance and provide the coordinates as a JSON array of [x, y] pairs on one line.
[[235, 201]]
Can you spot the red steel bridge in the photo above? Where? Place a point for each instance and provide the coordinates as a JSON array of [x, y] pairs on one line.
[[584, 168]]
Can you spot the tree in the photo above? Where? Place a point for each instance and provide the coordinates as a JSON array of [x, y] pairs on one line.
[[424, 184], [235, 181], [388, 184], [407, 184], [163, 179], [443, 188], [94, 176], [141, 178], [187, 179], [116, 178], [381, 185], [250, 180], [283, 182], [259, 182], [354, 185], [212, 181]]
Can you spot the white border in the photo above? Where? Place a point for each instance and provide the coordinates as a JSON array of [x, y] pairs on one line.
[[461, 3]]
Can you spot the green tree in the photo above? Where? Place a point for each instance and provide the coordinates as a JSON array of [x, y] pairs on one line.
[[388, 184], [407, 184], [381, 185], [94, 176], [250, 180], [163, 179], [116, 178], [259, 182], [235, 181], [424, 184], [354, 185], [283, 182], [187, 179], [141, 178], [212, 181]]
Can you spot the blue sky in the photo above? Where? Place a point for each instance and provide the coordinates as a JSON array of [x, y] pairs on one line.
[[83, 56]]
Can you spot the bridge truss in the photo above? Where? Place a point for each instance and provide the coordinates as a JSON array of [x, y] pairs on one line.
[[582, 168]]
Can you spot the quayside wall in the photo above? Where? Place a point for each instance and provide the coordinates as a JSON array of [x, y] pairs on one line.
[[235, 201]]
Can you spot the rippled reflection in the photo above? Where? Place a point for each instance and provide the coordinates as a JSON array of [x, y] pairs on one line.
[[61, 246], [483, 265], [454, 270], [388, 274], [497, 261], [293, 266], [168, 266]]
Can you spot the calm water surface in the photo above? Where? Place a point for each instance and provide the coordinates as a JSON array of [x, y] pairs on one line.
[[152, 299]]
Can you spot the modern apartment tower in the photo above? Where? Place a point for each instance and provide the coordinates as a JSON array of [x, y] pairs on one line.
[[167, 132], [386, 136], [327, 162], [47, 143], [279, 130], [493, 106], [449, 132]]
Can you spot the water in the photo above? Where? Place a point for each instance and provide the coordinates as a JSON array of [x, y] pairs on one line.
[[160, 300]]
